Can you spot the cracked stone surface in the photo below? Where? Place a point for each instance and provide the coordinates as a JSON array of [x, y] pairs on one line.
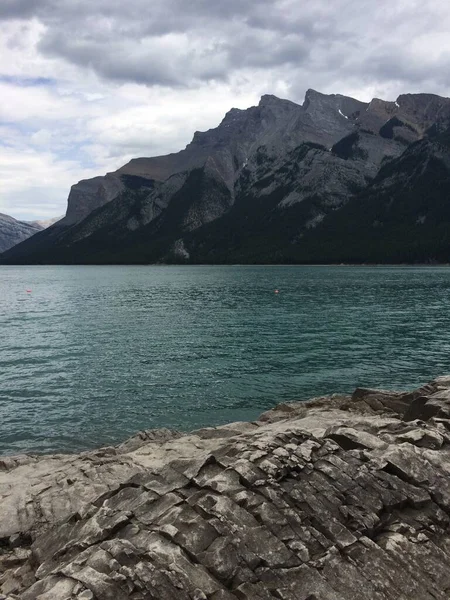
[[338, 498]]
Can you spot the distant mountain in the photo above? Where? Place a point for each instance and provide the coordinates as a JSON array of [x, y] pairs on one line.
[[47, 222], [331, 180], [13, 232]]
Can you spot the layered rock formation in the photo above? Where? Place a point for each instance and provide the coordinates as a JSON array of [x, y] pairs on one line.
[[13, 232], [402, 216], [337, 498], [264, 186]]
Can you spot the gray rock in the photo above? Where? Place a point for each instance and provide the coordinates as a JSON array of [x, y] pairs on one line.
[[332, 499]]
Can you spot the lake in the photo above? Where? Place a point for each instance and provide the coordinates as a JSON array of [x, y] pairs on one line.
[[89, 355]]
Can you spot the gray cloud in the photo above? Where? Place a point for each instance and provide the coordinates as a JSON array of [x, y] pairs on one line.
[[181, 44], [17, 9]]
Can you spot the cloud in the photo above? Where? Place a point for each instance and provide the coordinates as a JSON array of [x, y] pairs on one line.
[[29, 175], [86, 85], [181, 44]]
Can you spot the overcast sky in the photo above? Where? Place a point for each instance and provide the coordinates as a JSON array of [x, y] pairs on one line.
[[85, 85]]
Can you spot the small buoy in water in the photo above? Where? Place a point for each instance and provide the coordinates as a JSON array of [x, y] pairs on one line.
[[28, 291], [277, 292]]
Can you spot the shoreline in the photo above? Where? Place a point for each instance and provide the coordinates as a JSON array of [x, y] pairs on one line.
[[288, 503], [393, 265]]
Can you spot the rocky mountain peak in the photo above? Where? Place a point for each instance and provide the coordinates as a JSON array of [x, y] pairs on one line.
[[425, 109], [344, 105], [269, 100], [408, 118], [422, 101], [232, 115], [240, 129], [311, 95], [275, 167], [378, 112]]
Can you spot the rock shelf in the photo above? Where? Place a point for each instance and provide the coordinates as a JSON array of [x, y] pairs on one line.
[[337, 498]]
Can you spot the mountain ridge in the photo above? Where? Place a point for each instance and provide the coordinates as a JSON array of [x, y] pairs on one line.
[[263, 186], [13, 231]]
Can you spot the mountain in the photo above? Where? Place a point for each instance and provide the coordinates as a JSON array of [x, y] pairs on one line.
[[47, 222], [403, 216], [333, 179], [13, 232]]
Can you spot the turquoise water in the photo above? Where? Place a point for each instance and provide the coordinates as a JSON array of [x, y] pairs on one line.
[[94, 354]]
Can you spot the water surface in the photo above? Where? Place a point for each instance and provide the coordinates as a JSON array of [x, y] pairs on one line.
[[95, 353]]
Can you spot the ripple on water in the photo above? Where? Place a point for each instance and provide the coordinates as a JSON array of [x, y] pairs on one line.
[[96, 353]]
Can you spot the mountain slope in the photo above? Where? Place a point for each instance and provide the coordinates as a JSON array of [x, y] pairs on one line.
[[274, 183], [13, 232], [403, 216]]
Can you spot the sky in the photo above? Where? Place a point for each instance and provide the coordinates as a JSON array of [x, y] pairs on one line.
[[86, 85]]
